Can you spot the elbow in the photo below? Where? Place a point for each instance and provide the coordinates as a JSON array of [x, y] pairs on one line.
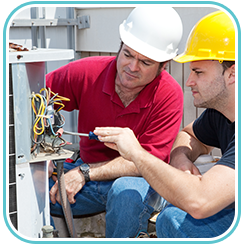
[[198, 214], [198, 210]]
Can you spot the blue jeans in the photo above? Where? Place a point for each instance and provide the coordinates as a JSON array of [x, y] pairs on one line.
[[128, 202], [172, 222]]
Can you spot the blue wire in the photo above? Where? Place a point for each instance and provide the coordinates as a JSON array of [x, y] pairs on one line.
[[50, 125]]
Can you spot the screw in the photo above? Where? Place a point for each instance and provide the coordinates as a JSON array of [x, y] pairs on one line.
[[19, 57], [22, 175]]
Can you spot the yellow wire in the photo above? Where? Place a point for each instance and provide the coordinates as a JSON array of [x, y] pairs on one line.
[[40, 114], [58, 97]]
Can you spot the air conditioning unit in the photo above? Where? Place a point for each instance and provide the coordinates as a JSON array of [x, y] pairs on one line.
[[28, 173]]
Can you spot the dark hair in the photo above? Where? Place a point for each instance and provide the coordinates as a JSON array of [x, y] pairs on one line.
[[226, 65]]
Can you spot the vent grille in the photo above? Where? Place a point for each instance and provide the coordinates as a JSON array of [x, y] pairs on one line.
[[12, 173]]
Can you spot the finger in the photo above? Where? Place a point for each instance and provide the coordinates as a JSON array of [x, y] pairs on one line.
[[70, 195], [108, 139], [111, 145], [199, 176], [53, 192], [71, 199], [50, 168], [54, 178], [105, 131], [196, 171], [58, 198]]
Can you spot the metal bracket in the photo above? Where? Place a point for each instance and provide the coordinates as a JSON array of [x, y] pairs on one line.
[[83, 22]]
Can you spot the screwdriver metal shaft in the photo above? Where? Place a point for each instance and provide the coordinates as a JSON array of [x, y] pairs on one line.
[[91, 135], [76, 134]]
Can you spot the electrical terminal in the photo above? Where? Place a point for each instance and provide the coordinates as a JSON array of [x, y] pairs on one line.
[[47, 120]]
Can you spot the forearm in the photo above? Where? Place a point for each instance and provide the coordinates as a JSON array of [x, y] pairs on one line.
[[200, 196], [113, 169], [101, 171], [186, 191], [168, 181]]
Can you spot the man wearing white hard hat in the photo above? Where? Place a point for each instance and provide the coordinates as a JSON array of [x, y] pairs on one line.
[[202, 206], [131, 90]]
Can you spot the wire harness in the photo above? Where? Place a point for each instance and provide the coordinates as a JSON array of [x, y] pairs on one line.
[[47, 120]]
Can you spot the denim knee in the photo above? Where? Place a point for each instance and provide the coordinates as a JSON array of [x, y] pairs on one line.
[[162, 223], [176, 223], [126, 211], [122, 195]]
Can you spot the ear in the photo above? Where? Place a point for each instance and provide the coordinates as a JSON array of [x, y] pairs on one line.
[[231, 74], [163, 67]]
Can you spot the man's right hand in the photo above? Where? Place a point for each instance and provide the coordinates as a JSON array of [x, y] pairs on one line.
[[51, 170], [183, 163], [74, 181], [122, 140]]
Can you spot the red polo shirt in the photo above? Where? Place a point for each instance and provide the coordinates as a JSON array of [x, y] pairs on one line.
[[154, 116]]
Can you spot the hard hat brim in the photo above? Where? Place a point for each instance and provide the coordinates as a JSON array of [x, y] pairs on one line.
[[183, 58]]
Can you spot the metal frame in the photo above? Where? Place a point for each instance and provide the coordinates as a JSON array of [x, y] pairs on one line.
[[82, 22], [32, 190]]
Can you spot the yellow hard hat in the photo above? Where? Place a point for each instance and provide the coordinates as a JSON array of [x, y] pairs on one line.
[[212, 38]]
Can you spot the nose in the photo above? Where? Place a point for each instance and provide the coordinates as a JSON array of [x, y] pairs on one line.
[[134, 65], [190, 81]]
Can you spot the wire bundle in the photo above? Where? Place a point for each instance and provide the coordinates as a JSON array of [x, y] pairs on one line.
[[47, 120]]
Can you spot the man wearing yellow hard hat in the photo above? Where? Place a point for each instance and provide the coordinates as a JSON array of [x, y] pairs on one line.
[[202, 206]]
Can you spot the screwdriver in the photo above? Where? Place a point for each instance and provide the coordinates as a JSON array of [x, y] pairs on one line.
[[90, 135]]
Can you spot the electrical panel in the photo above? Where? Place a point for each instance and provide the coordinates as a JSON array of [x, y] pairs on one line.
[[28, 172]]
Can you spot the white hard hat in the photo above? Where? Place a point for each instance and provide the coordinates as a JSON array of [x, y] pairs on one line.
[[153, 31]]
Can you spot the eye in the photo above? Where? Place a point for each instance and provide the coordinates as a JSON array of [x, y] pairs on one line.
[[197, 72], [126, 55], [145, 63]]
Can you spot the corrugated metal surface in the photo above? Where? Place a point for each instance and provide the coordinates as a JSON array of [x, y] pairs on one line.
[[12, 173]]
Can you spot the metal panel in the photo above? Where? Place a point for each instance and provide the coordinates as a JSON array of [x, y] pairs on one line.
[[33, 198], [22, 113], [47, 22], [189, 108], [40, 55], [176, 70], [103, 34]]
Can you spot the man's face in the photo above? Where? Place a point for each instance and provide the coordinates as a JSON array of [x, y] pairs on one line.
[[134, 71], [207, 84]]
